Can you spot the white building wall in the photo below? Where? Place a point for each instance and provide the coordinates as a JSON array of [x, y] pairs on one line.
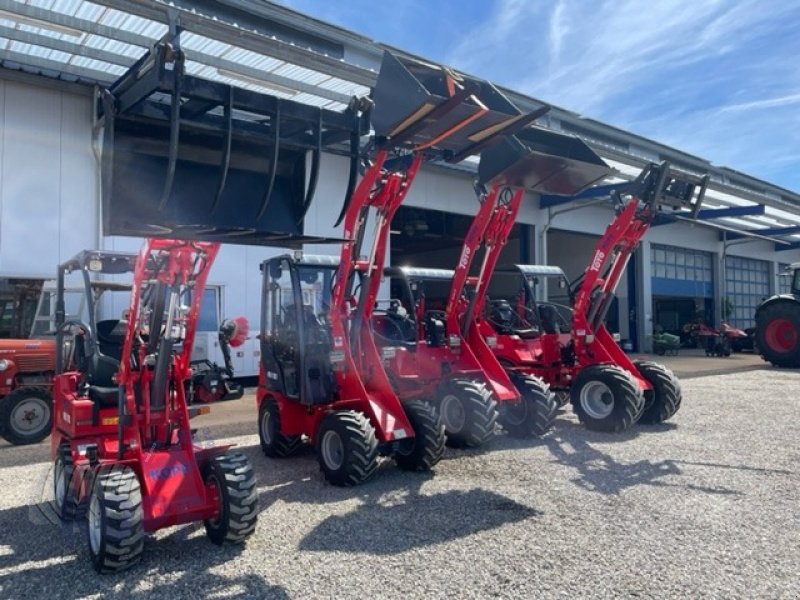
[[48, 178]]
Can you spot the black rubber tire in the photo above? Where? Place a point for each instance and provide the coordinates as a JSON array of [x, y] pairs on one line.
[[273, 443], [14, 435], [359, 447], [664, 400], [534, 414], [233, 475], [787, 310], [561, 398], [68, 504], [626, 396], [120, 517], [479, 410], [427, 447]]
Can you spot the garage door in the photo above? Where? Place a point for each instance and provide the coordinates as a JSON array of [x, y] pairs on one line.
[[746, 285], [681, 272]]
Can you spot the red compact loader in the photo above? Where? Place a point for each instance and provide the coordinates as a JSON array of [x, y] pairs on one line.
[[322, 374], [609, 392], [441, 353], [122, 444]]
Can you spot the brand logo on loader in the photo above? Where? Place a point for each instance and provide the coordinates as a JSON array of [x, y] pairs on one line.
[[168, 472], [598, 260], [462, 262]]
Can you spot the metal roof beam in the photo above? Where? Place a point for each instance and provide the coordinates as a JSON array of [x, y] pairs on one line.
[[775, 231], [43, 41], [599, 191], [252, 40], [789, 246], [26, 60], [731, 211]]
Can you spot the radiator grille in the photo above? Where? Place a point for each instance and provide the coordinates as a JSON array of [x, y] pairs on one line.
[[35, 363]]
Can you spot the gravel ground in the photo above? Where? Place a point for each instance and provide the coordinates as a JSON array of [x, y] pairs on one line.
[[705, 506]]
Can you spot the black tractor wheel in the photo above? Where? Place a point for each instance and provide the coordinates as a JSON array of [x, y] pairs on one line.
[[67, 500], [534, 414], [664, 400], [273, 442], [234, 482], [778, 334], [427, 447], [347, 448], [606, 398], [561, 398], [26, 415], [469, 413], [115, 520]]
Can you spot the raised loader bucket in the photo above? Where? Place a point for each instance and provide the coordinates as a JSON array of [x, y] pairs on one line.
[[543, 161], [189, 158], [421, 106]]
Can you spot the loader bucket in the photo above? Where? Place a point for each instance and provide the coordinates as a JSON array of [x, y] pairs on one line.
[[542, 161], [189, 158], [420, 106]]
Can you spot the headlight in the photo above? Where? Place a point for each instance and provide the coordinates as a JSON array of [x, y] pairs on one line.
[[3, 364]]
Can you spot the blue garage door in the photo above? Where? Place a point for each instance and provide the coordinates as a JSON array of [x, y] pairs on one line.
[[681, 272], [746, 285]]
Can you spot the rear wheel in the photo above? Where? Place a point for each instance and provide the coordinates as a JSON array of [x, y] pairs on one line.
[[347, 448], [273, 442], [429, 438], [606, 398], [664, 400], [26, 415], [468, 412], [66, 487], [535, 412], [231, 479], [116, 520], [778, 333]]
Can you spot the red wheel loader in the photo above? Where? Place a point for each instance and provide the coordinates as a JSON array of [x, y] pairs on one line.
[[122, 444], [443, 354], [323, 375], [609, 392]]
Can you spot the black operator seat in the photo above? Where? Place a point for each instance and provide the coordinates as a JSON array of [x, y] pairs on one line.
[[104, 363]]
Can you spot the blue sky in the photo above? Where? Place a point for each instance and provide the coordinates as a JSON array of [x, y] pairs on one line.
[[719, 79]]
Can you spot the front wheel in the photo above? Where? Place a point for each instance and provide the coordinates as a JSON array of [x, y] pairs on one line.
[[347, 448], [116, 520], [26, 415], [427, 447], [606, 398], [535, 412], [231, 480], [273, 443], [664, 400], [468, 412], [66, 487]]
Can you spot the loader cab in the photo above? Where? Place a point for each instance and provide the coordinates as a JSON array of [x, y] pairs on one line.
[[84, 342], [515, 304], [296, 348], [416, 309]]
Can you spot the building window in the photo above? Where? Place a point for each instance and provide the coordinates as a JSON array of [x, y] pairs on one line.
[[669, 262], [784, 279], [747, 284]]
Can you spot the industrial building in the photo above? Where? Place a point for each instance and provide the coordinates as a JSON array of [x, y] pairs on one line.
[[55, 55]]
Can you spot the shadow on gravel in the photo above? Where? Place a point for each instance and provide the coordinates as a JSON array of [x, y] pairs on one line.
[[601, 473], [40, 556], [393, 524]]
